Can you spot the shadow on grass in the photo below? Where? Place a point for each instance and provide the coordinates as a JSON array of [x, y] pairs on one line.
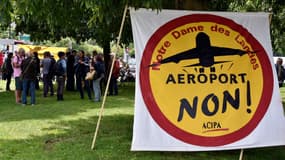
[[50, 108], [72, 140]]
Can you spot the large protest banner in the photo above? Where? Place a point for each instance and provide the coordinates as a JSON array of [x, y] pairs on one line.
[[205, 81]]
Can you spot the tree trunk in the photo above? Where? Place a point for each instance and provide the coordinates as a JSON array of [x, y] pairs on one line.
[[106, 52]]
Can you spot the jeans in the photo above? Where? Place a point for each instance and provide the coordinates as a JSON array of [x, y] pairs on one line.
[[32, 90], [70, 82], [97, 89], [113, 88], [60, 86], [9, 76], [80, 88], [47, 84]]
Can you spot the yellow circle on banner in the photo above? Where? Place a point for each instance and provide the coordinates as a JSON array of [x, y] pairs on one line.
[[217, 96]]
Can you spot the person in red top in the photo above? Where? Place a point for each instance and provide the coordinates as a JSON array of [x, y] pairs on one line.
[[1, 59], [113, 88]]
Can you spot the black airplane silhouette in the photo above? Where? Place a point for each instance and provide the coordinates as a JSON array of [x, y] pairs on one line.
[[204, 52]]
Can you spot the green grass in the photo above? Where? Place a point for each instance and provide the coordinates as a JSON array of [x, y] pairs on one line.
[[54, 130]]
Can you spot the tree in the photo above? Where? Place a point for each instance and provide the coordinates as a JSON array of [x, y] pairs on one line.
[[53, 19], [276, 7], [100, 20], [6, 10]]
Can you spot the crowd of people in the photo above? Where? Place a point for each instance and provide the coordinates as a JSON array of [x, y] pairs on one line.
[[69, 72]]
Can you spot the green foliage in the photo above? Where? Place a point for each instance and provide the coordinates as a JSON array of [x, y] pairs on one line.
[[276, 7], [53, 19], [101, 20], [6, 10], [87, 46]]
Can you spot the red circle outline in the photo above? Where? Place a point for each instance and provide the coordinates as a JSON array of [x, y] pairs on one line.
[[160, 118]]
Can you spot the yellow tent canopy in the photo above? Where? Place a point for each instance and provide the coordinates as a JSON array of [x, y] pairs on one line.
[[42, 49]]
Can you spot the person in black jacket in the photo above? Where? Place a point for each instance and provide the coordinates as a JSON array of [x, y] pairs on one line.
[[81, 69], [36, 56], [7, 73], [29, 68], [70, 86], [60, 75]]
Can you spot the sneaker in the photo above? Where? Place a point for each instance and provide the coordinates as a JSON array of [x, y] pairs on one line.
[[23, 105], [32, 104]]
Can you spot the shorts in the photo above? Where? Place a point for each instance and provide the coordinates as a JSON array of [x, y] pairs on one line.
[[18, 83]]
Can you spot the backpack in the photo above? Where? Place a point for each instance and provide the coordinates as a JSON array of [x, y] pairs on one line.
[[51, 70], [58, 69], [100, 70]]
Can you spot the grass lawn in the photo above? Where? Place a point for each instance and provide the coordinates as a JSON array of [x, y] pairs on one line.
[[54, 130]]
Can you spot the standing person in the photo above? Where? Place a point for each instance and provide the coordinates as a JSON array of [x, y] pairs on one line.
[[60, 75], [81, 69], [99, 67], [38, 61], [2, 67], [47, 78], [9, 70], [113, 88], [92, 62], [17, 61], [51, 70], [70, 86], [1, 58], [29, 75], [280, 71]]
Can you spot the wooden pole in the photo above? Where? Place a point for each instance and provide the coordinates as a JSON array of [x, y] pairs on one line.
[[241, 154], [270, 18], [108, 82]]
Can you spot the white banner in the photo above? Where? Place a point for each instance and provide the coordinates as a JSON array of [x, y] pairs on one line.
[[205, 81]]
